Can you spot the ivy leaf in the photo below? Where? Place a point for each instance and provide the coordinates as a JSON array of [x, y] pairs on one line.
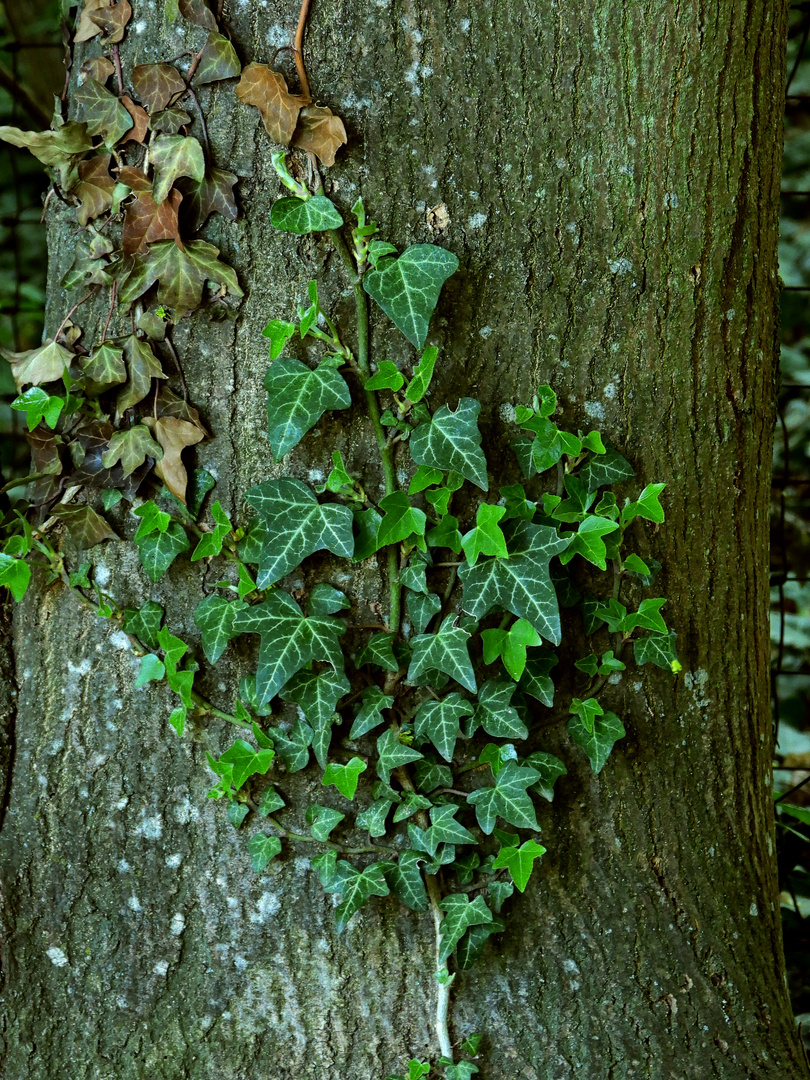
[[440, 722], [211, 195], [401, 520], [159, 550], [302, 216], [214, 616], [411, 804], [423, 478], [421, 609], [368, 522], [131, 448], [142, 367], [269, 802], [606, 470], [199, 13], [38, 406], [519, 861], [392, 753], [429, 775], [356, 889], [211, 542], [586, 710], [658, 649], [95, 188], [267, 90], [144, 623], [279, 333], [247, 761], [180, 274], [446, 651], [86, 527], [467, 952], [293, 748], [289, 641], [507, 799], [597, 744], [104, 368], [422, 375], [15, 574], [647, 506], [408, 288], [157, 84], [297, 397], [373, 818], [36, 366], [446, 535], [218, 60], [510, 645], [177, 719], [549, 768], [173, 156], [262, 849], [413, 576], [378, 650], [444, 829], [103, 112], [388, 377], [451, 441], [147, 222], [322, 820], [318, 693], [648, 617], [460, 915], [344, 777], [237, 812], [320, 132], [494, 713], [153, 519], [325, 599], [111, 19], [370, 715], [174, 435], [520, 584], [61, 149], [487, 537], [294, 525], [588, 542], [406, 882]]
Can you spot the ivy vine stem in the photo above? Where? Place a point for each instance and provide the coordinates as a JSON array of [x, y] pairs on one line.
[[444, 978], [205, 706]]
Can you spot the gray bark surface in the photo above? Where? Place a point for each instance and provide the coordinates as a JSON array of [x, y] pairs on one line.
[[610, 172]]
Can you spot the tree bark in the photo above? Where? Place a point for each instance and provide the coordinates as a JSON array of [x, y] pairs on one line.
[[610, 172]]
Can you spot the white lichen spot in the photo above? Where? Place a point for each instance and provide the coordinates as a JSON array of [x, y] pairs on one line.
[[485, 332], [571, 966], [610, 391], [101, 574], [316, 476], [161, 967], [730, 314], [57, 957], [465, 26], [178, 923], [184, 811], [140, 26], [595, 409], [119, 640], [134, 904], [696, 682], [302, 864], [173, 861], [753, 911], [121, 1001], [561, 163], [149, 827], [670, 200], [277, 35], [232, 902], [82, 668], [240, 963], [620, 266], [122, 866], [475, 221], [507, 412]]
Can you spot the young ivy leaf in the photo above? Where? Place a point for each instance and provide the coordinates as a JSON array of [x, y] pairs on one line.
[[549, 768], [446, 651], [519, 861], [401, 520], [507, 799], [302, 216], [586, 710], [325, 599], [648, 617], [422, 375], [423, 478], [159, 550], [357, 888], [647, 506], [597, 743], [262, 849], [451, 441], [344, 777], [587, 541], [440, 721], [370, 715], [322, 820], [495, 714], [658, 649], [279, 333], [15, 574], [487, 537], [421, 608], [318, 693], [460, 915], [211, 543], [391, 754], [408, 288], [378, 650], [38, 406], [510, 645], [388, 377], [151, 669], [246, 761], [373, 817], [297, 397]]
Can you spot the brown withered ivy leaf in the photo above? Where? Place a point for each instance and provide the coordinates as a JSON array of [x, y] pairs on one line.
[[147, 222], [96, 67], [157, 84], [46, 457], [267, 90], [213, 195], [103, 112], [170, 404], [180, 275], [103, 368], [142, 367], [135, 179], [170, 120], [86, 527], [94, 189], [173, 156], [86, 449], [86, 28], [112, 21], [140, 121], [218, 60], [199, 13], [131, 448], [174, 436], [321, 132], [61, 148], [37, 366]]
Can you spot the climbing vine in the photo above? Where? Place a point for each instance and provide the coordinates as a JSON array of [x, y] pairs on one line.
[[426, 727]]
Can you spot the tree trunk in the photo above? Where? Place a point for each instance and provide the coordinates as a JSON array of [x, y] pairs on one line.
[[610, 172]]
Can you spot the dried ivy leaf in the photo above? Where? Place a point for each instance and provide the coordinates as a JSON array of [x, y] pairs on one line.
[[96, 67], [57, 148], [169, 121], [180, 274], [147, 222], [173, 435], [112, 20], [140, 121], [135, 179], [87, 447], [94, 189], [218, 60], [131, 448], [86, 527], [104, 368], [142, 366], [86, 28], [169, 404], [173, 156], [267, 90], [212, 195], [199, 13], [103, 112], [320, 132], [37, 366], [157, 84]]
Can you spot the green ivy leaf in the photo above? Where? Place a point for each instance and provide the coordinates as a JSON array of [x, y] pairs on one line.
[[322, 820], [131, 448], [510, 645], [370, 715], [422, 375], [211, 543], [421, 609], [245, 761], [440, 721], [519, 861], [237, 812], [325, 599], [391, 753], [200, 484], [658, 649], [507, 799], [451, 441], [407, 288], [406, 882], [262, 849], [103, 113], [444, 829], [423, 478], [388, 377], [15, 574], [446, 651], [429, 775], [401, 520], [294, 525], [373, 817], [293, 747], [549, 769], [647, 506], [588, 542], [413, 575], [606, 470], [318, 693], [297, 397], [279, 333], [499, 892], [159, 550], [410, 805], [302, 216], [344, 777], [38, 406], [597, 744], [587, 711], [368, 522], [516, 504], [178, 719], [460, 915], [218, 60], [214, 616], [153, 519], [289, 641], [494, 713], [151, 668], [172, 156], [144, 623], [520, 584], [180, 275], [636, 565], [487, 537], [648, 617], [446, 535], [356, 889], [467, 952], [269, 802], [378, 650]]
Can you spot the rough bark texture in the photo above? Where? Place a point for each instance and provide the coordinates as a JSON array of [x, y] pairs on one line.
[[610, 172]]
